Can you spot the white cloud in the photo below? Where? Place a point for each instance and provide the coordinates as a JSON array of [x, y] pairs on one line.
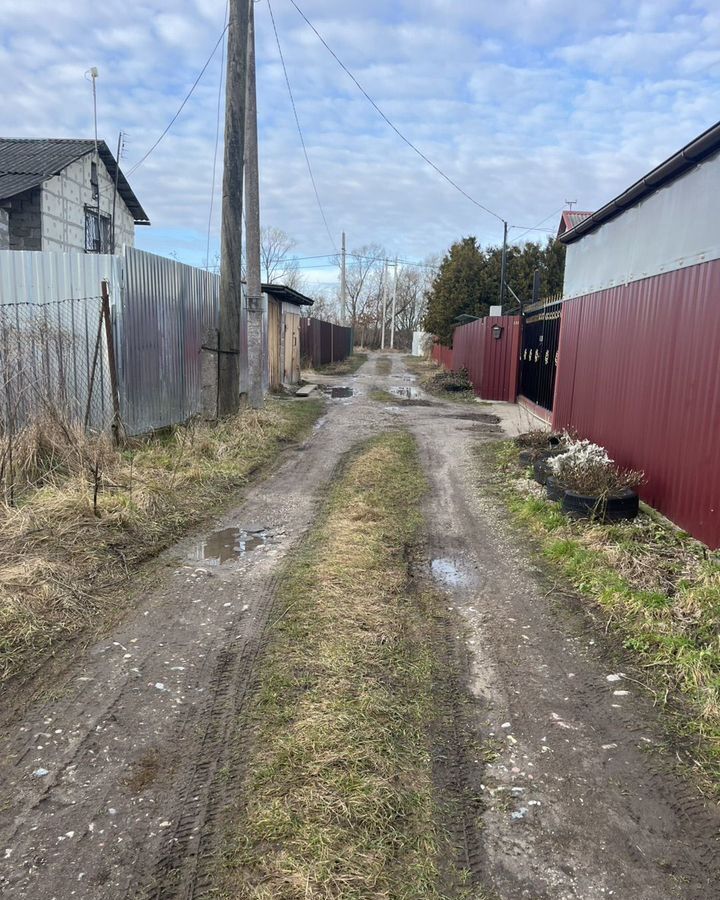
[[522, 103]]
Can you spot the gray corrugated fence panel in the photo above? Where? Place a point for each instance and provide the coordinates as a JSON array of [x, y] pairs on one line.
[[165, 312], [50, 315]]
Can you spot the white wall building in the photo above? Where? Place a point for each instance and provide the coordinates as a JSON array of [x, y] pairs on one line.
[[57, 195]]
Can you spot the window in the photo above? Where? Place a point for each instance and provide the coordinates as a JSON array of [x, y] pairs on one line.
[[94, 181], [97, 236]]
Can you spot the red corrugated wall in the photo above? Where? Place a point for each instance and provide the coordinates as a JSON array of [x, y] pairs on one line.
[[639, 373], [492, 363]]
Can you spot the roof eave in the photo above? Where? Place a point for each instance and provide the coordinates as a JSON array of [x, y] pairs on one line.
[[685, 159]]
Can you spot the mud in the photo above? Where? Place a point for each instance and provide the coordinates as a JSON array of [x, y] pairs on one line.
[[115, 782]]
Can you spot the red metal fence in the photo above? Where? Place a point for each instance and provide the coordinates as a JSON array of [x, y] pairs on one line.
[[638, 372], [322, 342], [491, 362]]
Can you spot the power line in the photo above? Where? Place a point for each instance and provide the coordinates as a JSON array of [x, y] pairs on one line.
[[390, 122], [217, 141], [297, 122], [537, 227], [182, 105]]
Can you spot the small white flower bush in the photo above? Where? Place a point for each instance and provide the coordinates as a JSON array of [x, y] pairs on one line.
[[586, 468]]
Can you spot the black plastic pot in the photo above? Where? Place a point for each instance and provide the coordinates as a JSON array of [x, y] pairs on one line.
[[541, 469], [555, 491], [605, 509]]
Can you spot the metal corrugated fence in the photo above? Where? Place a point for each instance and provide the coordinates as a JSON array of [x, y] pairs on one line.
[[322, 342], [163, 315], [491, 362], [53, 353], [638, 373]]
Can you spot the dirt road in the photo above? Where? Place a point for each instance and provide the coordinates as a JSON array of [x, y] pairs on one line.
[[113, 788]]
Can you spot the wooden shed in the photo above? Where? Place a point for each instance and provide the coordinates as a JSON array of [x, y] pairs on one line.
[[284, 307]]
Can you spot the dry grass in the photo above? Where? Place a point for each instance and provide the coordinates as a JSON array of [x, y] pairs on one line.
[[660, 591], [86, 514], [347, 366], [383, 366], [339, 795]]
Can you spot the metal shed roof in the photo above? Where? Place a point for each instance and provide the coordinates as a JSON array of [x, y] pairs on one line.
[[676, 165], [27, 162], [287, 294]]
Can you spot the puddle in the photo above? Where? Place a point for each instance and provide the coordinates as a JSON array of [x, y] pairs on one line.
[[229, 544], [448, 573], [341, 392], [407, 393]]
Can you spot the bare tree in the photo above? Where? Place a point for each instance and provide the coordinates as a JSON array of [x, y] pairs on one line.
[[278, 265], [363, 286]]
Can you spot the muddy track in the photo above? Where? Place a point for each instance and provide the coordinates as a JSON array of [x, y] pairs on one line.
[[556, 787]]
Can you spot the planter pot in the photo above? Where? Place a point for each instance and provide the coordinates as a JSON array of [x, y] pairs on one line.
[[605, 509], [531, 456], [555, 491], [541, 469]]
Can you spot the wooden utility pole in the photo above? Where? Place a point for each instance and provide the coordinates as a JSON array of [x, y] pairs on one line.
[[343, 286], [394, 301], [231, 238], [256, 356], [384, 304]]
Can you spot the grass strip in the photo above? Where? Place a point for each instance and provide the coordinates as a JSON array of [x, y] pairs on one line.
[[338, 796], [383, 365], [347, 366], [87, 514], [659, 590]]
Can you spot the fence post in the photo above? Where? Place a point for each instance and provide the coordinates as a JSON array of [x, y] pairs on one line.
[[111, 361]]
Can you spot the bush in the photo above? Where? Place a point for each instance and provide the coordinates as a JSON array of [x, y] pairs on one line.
[[587, 469], [452, 382]]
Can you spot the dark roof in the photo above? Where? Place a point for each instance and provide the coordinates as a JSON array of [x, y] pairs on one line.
[[706, 144], [570, 218], [287, 294], [26, 163]]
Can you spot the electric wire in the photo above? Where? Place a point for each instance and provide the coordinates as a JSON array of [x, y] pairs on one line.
[[217, 141], [182, 105], [297, 122], [537, 227], [390, 122]]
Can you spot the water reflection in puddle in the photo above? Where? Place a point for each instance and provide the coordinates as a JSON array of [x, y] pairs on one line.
[[229, 544], [341, 392], [449, 573]]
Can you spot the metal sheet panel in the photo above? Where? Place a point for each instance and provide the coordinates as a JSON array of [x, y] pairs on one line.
[[162, 318], [638, 373], [49, 326], [676, 227], [491, 363]]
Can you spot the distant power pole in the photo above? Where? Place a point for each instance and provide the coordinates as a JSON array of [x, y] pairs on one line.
[[503, 267], [256, 357], [231, 236], [343, 284], [384, 305], [394, 300]]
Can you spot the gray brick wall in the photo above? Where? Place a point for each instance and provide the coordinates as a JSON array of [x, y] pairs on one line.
[[25, 221], [4, 230], [64, 199]]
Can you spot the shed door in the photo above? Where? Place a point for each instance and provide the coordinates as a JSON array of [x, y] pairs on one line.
[[292, 348], [274, 343]]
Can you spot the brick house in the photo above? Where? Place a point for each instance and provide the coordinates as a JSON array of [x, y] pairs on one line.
[[50, 191]]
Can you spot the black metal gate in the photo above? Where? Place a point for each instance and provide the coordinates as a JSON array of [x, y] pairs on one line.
[[541, 335]]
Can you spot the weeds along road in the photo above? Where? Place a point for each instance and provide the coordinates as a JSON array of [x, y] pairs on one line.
[[553, 780]]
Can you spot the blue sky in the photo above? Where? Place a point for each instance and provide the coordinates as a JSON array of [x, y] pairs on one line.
[[525, 103]]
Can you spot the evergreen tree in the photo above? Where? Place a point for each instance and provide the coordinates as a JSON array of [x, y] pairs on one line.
[[468, 281]]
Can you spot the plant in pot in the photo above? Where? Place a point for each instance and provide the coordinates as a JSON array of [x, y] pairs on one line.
[[591, 485]]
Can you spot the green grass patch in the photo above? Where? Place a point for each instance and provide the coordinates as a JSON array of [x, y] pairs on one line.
[[659, 589], [89, 514], [347, 366], [338, 797]]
